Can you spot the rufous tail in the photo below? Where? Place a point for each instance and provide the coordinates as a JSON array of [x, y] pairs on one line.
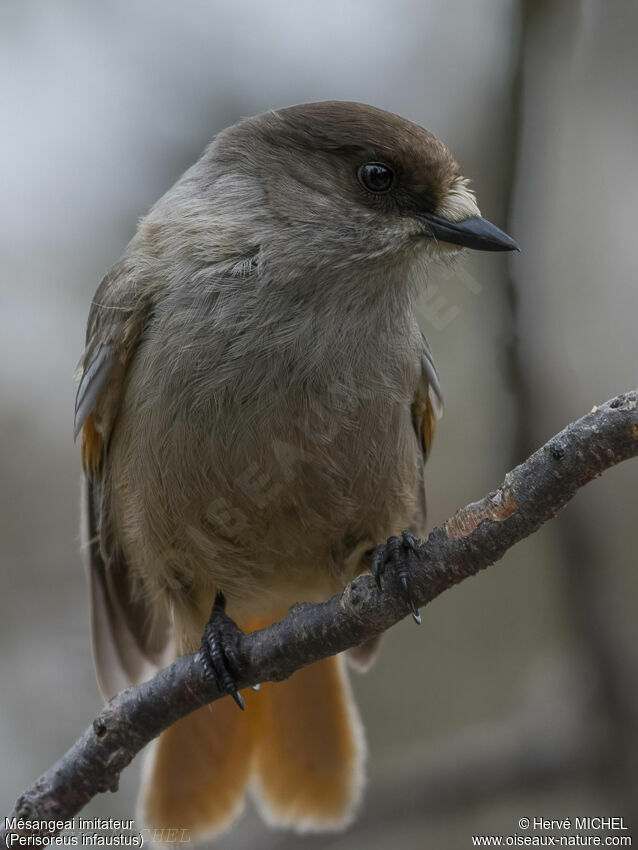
[[298, 745]]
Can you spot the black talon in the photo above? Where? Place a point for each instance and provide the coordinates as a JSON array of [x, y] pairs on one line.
[[239, 700], [408, 593], [378, 564], [219, 650], [411, 540], [415, 611], [394, 551]]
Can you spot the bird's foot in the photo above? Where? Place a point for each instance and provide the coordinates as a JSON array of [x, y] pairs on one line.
[[397, 552], [219, 651]]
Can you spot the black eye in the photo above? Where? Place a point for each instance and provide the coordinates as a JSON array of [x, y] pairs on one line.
[[375, 176]]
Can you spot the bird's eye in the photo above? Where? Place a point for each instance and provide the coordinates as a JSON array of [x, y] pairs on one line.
[[375, 177]]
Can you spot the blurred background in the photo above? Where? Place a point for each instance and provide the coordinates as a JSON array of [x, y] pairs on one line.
[[518, 696]]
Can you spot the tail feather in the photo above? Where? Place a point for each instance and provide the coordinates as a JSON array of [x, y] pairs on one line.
[[300, 741], [309, 749], [196, 775]]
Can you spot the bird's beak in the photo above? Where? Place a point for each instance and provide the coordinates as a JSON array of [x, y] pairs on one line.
[[474, 232]]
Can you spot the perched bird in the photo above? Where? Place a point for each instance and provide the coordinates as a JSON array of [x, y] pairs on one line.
[[257, 403]]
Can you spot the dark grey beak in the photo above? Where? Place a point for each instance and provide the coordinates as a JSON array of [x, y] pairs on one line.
[[475, 232]]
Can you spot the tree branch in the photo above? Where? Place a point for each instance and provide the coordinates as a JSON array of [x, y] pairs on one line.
[[475, 537]]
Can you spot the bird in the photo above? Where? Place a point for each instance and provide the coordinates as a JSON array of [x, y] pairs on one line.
[[256, 403]]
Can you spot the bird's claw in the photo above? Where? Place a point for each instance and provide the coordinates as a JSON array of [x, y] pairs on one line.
[[218, 650], [397, 552]]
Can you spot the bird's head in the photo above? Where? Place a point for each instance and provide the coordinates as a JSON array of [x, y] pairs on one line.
[[343, 184]]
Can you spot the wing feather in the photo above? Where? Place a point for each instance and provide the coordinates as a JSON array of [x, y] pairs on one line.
[[130, 638], [93, 377], [427, 406]]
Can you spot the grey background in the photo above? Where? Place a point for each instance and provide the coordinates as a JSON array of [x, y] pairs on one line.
[[518, 695]]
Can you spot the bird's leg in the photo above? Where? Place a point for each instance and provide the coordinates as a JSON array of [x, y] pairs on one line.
[[397, 552], [219, 649]]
